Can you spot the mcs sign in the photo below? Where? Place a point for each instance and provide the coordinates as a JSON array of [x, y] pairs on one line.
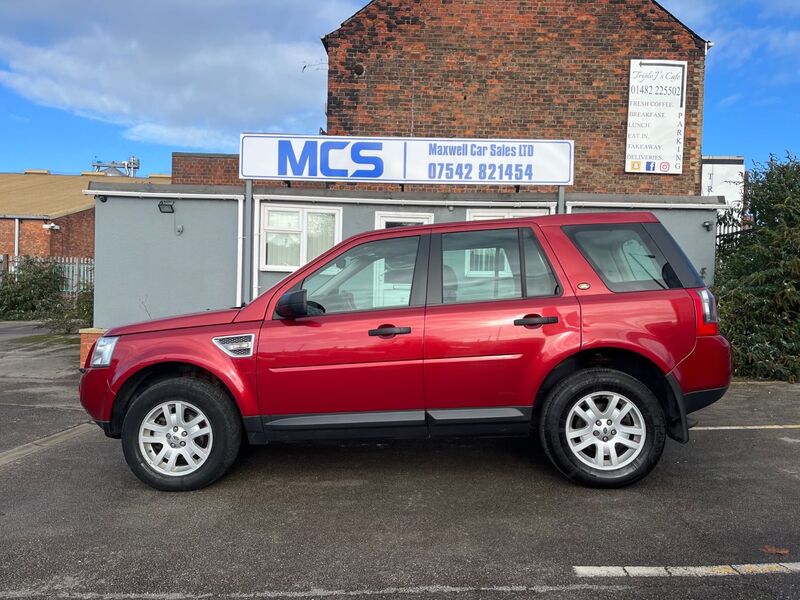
[[330, 159], [406, 160]]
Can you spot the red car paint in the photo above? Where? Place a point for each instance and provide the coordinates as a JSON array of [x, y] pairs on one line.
[[467, 355]]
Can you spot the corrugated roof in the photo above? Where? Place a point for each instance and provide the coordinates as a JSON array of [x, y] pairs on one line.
[[50, 196]]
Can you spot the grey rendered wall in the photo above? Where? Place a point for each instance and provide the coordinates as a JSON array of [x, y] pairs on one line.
[[358, 218], [686, 226], [146, 269]]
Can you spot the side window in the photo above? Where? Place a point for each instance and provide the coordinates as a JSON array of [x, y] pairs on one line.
[[539, 278], [370, 276], [479, 266], [624, 256]]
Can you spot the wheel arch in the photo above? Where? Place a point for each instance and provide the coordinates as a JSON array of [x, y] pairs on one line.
[[144, 378], [627, 361]]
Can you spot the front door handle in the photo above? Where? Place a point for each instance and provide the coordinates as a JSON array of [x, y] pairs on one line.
[[535, 321], [389, 331]]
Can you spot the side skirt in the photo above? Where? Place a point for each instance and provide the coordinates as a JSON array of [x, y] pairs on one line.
[[411, 424]]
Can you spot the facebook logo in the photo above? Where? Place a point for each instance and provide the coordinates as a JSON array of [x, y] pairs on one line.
[[650, 166]]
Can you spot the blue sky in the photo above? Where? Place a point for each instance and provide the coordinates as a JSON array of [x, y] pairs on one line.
[[81, 81]]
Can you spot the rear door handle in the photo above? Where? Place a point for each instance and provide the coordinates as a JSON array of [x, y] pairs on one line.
[[535, 321], [389, 331]]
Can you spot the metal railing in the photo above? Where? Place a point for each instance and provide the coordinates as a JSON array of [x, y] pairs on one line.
[[77, 272]]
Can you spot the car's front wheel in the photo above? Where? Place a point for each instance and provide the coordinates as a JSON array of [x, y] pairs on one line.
[[602, 427], [181, 434]]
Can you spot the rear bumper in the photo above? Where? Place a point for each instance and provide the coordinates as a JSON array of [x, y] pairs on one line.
[[695, 401], [685, 404], [699, 380]]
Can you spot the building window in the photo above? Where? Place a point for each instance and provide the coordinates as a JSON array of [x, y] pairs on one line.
[[388, 220], [291, 236], [485, 214], [482, 262]]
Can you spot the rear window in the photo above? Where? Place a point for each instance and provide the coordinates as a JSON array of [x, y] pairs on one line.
[[624, 256]]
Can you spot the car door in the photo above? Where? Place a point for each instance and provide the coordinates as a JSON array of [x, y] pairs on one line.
[[358, 366], [498, 315]]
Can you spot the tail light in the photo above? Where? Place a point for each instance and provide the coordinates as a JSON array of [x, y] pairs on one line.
[[706, 312]]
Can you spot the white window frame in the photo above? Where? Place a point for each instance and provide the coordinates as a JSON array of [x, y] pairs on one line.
[[381, 216], [485, 214], [303, 211]]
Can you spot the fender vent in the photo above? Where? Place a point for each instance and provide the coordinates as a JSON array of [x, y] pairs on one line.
[[237, 346]]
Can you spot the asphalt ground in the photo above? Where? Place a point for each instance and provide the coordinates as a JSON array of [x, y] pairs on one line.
[[455, 519]]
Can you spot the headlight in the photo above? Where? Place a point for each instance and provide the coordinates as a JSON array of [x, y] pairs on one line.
[[103, 350]]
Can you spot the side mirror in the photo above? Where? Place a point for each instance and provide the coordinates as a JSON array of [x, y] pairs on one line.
[[293, 304]]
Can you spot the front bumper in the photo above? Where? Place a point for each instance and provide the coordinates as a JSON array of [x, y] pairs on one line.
[[96, 395], [106, 427]]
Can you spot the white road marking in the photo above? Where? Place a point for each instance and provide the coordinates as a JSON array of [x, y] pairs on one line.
[[689, 571], [71, 594], [15, 454], [647, 571], [744, 427], [789, 440], [44, 406], [760, 569], [600, 571], [705, 571]]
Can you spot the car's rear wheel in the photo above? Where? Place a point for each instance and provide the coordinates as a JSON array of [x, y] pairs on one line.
[[603, 428], [181, 434]]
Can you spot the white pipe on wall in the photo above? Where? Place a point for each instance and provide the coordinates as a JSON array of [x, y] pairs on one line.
[[16, 237], [256, 244], [239, 251]]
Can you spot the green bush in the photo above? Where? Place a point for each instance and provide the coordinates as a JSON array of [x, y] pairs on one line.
[[31, 291], [758, 275], [70, 315]]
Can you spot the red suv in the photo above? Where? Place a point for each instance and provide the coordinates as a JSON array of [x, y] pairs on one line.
[[594, 330]]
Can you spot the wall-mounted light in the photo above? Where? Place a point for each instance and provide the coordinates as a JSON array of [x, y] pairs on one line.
[[166, 206], [708, 225]]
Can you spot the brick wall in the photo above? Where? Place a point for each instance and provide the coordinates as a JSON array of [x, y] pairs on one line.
[[550, 69], [34, 240], [221, 169], [75, 238], [7, 236], [205, 169]]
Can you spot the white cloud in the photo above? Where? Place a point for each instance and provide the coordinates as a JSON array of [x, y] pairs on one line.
[[729, 101], [194, 75], [697, 14]]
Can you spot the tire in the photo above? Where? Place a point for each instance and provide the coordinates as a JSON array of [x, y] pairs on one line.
[[567, 413], [201, 421]]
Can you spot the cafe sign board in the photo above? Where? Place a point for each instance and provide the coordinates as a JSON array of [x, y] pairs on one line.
[[656, 117]]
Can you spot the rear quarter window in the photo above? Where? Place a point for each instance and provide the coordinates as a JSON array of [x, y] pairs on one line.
[[624, 256]]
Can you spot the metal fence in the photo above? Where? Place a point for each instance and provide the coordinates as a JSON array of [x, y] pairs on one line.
[[731, 233], [77, 272]]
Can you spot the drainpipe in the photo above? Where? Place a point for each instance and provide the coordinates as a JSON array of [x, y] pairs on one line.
[[239, 250], [247, 273], [256, 244], [16, 237]]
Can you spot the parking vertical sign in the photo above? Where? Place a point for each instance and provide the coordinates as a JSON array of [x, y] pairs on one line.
[[406, 160]]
